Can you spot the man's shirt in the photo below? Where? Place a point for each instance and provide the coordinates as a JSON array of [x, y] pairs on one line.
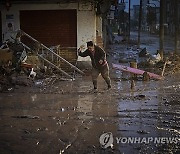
[[96, 55]]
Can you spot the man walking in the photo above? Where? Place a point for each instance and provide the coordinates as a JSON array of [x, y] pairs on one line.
[[99, 63]]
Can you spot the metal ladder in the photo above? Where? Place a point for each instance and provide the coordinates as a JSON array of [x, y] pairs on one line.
[[22, 33]]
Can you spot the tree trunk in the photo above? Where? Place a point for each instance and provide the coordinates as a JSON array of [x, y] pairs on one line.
[[139, 26], [129, 21], [161, 30], [176, 17]]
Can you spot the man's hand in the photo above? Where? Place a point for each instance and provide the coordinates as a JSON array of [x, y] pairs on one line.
[[101, 62], [81, 48]]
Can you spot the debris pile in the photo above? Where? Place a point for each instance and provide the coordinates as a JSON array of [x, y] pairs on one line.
[[21, 64], [173, 64], [19, 67], [149, 62]]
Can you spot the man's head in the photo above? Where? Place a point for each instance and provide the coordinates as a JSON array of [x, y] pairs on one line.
[[90, 46]]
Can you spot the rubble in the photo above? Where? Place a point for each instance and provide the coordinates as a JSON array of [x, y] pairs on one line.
[[21, 80], [173, 64], [143, 53], [169, 66], [21, 68], [150, 62]]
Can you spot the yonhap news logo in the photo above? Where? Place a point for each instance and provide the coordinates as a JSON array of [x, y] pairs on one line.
[[106, 140]]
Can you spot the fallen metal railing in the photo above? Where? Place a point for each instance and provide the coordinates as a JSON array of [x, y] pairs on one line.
[[49, 62], [51, 51]]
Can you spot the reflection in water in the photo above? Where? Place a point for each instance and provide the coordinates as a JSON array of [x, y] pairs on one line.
[[132, 85], [34, 97], [70, 119], [85, 107], [154, 113]]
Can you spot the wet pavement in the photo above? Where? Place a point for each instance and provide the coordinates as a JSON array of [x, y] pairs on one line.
[[67, 117]]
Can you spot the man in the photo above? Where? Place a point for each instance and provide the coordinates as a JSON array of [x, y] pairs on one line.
[[99, 63]]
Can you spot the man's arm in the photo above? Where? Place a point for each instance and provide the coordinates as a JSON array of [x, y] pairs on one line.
[[83, 54]]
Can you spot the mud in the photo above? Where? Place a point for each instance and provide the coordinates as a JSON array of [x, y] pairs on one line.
[[67, 117]]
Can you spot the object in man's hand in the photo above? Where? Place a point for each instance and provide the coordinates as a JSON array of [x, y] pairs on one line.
[[82, 47], [101, 61]]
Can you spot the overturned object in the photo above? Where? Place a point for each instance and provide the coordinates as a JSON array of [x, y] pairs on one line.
[[135, 71]]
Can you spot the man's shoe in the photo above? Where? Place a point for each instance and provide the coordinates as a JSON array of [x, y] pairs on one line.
[[95, 90], [109, 87]]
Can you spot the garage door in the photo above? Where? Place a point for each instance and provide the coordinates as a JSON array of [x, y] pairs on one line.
[[51, 27], [0, 28]]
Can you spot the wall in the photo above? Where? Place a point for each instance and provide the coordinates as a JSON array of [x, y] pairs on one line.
[[86, 20], [86, 28], [99, 40], [0, 29]]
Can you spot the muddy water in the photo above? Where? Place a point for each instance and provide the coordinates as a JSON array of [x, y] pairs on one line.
[[151, 110], [67, 117], [73, 120], [36, 121]]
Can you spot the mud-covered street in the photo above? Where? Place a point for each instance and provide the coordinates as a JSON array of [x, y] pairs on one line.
[[67, 117]]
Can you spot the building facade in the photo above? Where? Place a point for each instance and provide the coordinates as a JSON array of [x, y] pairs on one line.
[[68, 23]]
